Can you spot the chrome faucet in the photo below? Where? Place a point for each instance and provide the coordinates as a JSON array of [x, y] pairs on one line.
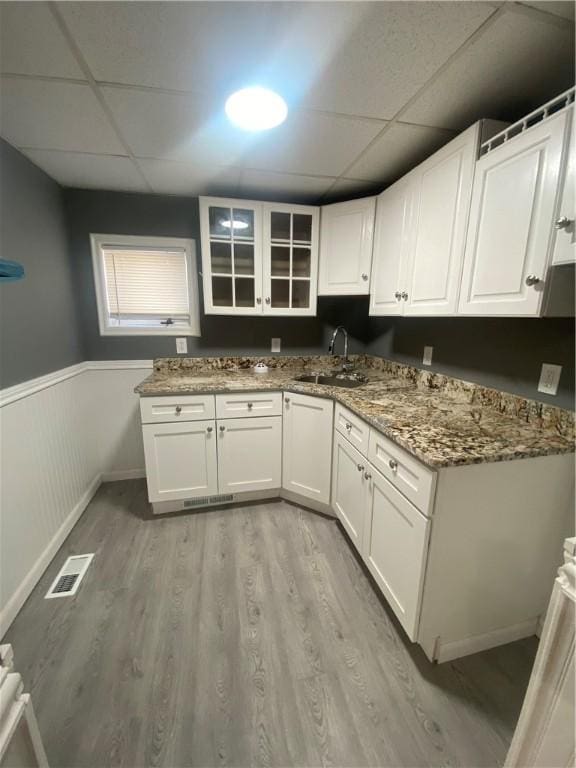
[[345, 365]]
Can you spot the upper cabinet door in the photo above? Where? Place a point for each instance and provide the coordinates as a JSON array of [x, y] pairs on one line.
[[346, 237], [290, 259], [564, 225], [231, 234], [444, 188], [511, 219], [392, 241]]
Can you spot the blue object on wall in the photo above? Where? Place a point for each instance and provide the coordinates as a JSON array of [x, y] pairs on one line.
[[10, 271]]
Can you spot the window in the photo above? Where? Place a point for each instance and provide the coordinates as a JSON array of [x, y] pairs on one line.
[[145, 285]]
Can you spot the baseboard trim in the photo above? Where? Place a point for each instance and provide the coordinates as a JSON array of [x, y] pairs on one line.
[[455, 649], [123, 474], [304, 501], [8, 614]]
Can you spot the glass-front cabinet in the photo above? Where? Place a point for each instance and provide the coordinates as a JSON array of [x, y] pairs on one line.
[[258, 258]]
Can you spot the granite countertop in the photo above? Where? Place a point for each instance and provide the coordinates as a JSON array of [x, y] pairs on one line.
[[441, 421]]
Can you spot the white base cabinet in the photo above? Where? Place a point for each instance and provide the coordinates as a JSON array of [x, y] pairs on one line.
[[307, 441], [349, 489], [249, 454], [181, 460]]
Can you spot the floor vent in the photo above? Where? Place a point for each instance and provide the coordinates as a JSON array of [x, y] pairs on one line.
[[70, 576], [202, 501]]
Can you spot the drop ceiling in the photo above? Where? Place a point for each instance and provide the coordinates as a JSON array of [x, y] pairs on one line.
[[129, 95]]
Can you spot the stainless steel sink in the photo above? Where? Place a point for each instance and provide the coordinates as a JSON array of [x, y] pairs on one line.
[[349, 380]]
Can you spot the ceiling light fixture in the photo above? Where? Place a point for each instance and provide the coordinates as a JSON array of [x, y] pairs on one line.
[[236, 224], [256, 109]]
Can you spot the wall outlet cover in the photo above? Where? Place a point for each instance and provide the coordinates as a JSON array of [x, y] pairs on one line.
[[549, 378], [427, 356], [275, 344], [181, 346]]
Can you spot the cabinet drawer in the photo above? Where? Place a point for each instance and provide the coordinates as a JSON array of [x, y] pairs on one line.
[[238, 405], [352, 427], [176, 408], [415, 481]]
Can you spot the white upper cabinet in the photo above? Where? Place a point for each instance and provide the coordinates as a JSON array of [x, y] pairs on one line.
[[290, 259], [258, 258], [346, 238], [392, 242], [564, 225], [514, 202], [420, 233]]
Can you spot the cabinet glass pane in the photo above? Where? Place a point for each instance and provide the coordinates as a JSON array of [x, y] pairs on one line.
[[280, 226], [302, 227], [244, 292], [301, 262], [280, 266], [217, 218], [280, 293], [300, 294], [243, 259], [221, 258], [222, 291], [242, 223]]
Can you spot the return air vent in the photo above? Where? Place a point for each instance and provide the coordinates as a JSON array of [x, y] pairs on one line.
[[202, 501], [560, 102], [69, 577]]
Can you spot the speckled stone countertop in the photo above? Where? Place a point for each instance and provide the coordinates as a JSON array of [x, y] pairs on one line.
[[440, 420]]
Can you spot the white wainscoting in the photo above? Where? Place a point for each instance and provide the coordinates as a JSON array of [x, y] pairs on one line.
[[60, 436]]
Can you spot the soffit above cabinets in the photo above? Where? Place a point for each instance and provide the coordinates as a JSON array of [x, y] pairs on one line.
[[129, 96]]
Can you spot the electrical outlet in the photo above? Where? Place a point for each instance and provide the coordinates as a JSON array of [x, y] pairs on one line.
[[275, 345], [427, 356], [549, 378], [181, 346]]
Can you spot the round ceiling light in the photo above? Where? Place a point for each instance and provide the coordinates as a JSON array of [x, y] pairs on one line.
[[256, 109]]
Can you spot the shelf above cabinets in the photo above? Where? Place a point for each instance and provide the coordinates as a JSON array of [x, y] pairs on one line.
[[258, 258]]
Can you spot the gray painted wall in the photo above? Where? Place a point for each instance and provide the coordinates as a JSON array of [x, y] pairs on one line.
[[39, 328], [136, 214]]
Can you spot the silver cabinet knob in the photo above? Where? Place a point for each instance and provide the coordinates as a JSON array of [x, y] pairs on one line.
[[397, 295], [563, 222], [178, 409], [367, 476], [360, 467], [250, 405], [404, 295], [393, 464], [208, 429], [258, 300], [532, 280], [222, 428], [348, 426], [364, 276], [267, 299], [286, 400]]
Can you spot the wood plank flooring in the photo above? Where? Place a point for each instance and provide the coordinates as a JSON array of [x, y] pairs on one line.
[[247, 636]]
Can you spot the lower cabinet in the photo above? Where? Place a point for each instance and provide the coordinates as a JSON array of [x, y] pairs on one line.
[[349, 489], [395, 545], [180, 460], [307, 444], [249, 454]]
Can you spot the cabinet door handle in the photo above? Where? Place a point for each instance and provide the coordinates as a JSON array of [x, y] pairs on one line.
[[404, 295], [532, 280], [267, 299], [367, 476], [360, 468], [286, 400], [222, 428], [259, 300], [208, 429], [397, 295], [178, 409], [364, 276], [393, 464], [563, 222], [250, 405]]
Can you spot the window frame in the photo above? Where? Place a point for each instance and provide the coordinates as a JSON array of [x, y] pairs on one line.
[[99, 241]]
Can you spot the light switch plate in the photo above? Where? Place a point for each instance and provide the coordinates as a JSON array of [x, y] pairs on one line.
[[427, 356], [549, 378], [275, 344], [181, 346]]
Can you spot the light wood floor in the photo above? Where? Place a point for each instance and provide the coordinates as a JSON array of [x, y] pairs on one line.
[[245, 636]]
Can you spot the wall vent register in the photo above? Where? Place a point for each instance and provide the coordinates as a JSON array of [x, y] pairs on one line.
[[69, 577]]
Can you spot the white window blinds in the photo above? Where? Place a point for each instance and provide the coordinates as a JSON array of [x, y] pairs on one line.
[[146, 286]]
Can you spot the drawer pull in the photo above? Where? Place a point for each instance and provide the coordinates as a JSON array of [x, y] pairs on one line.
[[367, 476], [393, 464], [222, 428], [348, 426], [250, 405], [286, 400], [208, 429], [360, 467], [178, 409]]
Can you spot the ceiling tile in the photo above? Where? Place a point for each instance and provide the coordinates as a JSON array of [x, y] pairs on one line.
[[517, 64], [74, 169], [180, 178], [263, 185], [54, 115], [398, 150], [31, 42], [363, 58]]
